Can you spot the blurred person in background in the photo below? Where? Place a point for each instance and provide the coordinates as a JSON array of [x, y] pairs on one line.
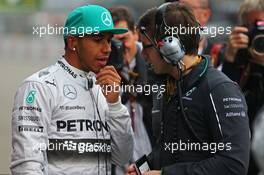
[[258, 140], [63, 121], [197, 105], [133, 72], [243, 57]]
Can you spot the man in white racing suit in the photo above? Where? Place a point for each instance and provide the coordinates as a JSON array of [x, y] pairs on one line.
[[64, 121]]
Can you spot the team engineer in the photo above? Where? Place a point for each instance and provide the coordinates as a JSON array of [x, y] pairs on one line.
[[204, 123]]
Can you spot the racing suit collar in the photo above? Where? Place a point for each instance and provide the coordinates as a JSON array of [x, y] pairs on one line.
[[79, 76], [192, 79]]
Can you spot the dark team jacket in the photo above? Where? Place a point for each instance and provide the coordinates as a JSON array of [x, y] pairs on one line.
[[217, 112]]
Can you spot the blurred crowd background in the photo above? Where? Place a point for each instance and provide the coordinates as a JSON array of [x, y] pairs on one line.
[[22, 52]]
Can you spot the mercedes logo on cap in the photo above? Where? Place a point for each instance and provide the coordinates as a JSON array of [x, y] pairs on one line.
[[69, 91], [106, 18]]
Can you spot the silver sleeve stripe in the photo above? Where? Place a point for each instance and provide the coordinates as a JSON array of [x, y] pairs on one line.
[[216, 115]]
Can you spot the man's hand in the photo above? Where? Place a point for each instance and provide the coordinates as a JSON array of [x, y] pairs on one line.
[[131, 170], [109, 80], [237, 40]]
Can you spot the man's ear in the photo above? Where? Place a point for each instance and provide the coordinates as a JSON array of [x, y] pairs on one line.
[[136, 33], [71, 42]]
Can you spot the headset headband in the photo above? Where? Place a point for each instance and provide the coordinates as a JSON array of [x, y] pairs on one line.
[[160, 19]]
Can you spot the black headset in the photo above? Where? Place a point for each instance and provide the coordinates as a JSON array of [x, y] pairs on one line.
[[90, 83], [171, 48]]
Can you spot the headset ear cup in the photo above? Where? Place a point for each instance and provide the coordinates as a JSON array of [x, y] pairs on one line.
[[172, 50]]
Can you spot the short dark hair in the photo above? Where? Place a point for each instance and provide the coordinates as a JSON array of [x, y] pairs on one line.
[[176, 15], [121, 13]]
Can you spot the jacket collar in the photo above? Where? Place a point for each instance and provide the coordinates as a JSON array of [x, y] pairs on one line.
[[79, 76], [193, 78]]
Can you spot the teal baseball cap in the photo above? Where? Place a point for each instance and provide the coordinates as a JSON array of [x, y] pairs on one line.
[[90, 19]]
